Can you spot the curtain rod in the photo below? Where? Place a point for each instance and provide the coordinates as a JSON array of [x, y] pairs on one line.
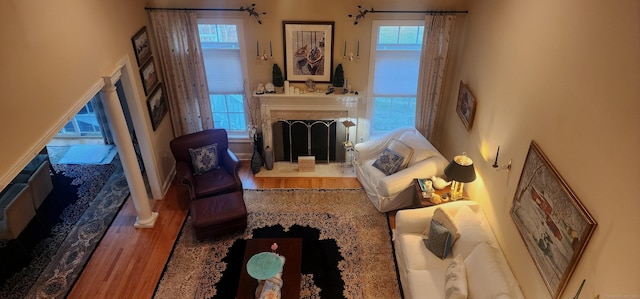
[[250, 9], [431, 12], [212, 9], [363, 12]]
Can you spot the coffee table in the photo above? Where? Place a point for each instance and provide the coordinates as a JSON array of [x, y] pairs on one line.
[[291, 249]]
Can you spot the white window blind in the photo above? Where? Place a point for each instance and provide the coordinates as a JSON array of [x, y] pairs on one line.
[[224, 70], [396, 72]]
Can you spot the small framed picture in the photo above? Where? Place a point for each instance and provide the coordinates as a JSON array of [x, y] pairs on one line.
[[149, 76], [466, 106], [141, 46], [157, 104]]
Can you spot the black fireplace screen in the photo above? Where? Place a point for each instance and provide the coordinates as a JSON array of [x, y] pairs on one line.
[[319, 138]]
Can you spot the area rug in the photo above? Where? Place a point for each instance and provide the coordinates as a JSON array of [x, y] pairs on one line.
[[346, 251], [50, 254], [288, 169]]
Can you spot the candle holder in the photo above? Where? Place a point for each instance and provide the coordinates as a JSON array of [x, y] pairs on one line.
[[498, 167], [264, 56], [349, 57]]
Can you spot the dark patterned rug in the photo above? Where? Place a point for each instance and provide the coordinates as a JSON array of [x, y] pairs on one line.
[[47, 258], [346, 250]]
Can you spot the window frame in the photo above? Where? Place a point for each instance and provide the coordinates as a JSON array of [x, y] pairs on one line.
[[375, 27], [206, 18]]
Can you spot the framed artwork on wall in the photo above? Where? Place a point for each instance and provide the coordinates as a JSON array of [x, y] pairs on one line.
[[141, 46], [308, 48], [157, 104], [552, 222], [466, 106], [149, 76]]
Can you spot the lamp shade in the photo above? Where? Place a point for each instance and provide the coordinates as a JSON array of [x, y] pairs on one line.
[[461, 169]]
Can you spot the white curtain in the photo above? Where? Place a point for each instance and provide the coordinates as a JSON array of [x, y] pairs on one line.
[[433, 63], [180, 54]]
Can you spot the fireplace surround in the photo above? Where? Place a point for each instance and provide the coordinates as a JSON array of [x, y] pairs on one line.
[[275, 108]]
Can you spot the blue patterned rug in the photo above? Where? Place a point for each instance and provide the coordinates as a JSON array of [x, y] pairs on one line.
[[48, 257]]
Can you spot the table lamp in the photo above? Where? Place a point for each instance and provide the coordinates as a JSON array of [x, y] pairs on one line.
[[460, 171]]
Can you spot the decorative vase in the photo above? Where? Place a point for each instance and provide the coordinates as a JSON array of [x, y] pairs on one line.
[[256, 159], [268, 158]]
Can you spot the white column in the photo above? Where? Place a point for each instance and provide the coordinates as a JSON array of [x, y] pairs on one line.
[[146, 218]]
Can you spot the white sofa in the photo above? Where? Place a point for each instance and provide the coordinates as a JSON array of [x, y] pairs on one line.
[[422, 274], [392, 192]]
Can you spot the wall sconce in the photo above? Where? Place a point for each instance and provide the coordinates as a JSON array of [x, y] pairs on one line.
[[350, 56], [264, 56], [503, 167], [461, 171]]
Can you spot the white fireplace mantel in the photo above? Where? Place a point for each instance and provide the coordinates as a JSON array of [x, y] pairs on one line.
[[309, 106]]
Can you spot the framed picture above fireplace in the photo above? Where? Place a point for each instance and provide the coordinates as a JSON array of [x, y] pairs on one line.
[[308, 48]]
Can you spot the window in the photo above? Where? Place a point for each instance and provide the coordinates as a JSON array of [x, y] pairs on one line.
[[83, 124], [396, 61], [223, 64]]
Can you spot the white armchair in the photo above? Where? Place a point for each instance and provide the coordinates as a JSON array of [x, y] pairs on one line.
[[392, 192]]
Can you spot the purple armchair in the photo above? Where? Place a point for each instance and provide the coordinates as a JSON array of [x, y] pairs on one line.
[[213, 182]]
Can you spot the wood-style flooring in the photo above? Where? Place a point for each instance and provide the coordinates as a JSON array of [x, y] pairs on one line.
[[128, 262]]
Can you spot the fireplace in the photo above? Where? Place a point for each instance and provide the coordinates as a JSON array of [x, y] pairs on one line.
[[322, 139], [281, 112]]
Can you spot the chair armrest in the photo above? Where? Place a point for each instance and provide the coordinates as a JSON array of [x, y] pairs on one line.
[[372, 148], [231, 164], [185, 177], [414, 220], [402, 179], [419, 220]]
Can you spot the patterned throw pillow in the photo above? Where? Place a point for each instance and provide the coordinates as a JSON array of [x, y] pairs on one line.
[[439, 240], [403, 150], [389, 162], [455, 286], [444, 218], [204, 158]]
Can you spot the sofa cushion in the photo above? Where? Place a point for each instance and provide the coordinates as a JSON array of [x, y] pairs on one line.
[[484, 273], [422, 148], [388, 162], [471, 232], [416, 256], [204, 158], [425, 284], [403, 150], [443, 217], [455, 285], [439, 240]]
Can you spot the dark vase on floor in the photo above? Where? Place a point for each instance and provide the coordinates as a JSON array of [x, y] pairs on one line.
[[268, 158], [256, 159]]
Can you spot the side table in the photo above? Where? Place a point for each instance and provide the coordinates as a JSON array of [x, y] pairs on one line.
[[426, 202]]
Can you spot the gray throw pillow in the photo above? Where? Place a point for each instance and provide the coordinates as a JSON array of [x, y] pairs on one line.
[[204, 158], [439, 240], [389, 162]]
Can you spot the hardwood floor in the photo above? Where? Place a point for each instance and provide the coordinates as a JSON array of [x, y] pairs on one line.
[[128, 262]]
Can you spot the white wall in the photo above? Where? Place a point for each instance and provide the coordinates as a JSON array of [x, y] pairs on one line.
[[565, 74], [329, 10], [52, 54]]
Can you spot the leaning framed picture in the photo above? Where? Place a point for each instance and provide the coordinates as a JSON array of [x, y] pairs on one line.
[[553, 224], [466, 106], [149, 76], [308, 48], [141, 46], [157, 104]]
